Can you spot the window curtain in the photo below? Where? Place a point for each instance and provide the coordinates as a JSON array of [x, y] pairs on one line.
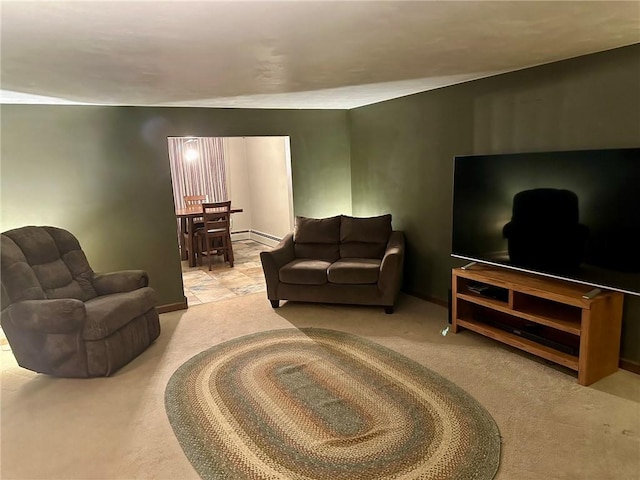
[[198, 167]]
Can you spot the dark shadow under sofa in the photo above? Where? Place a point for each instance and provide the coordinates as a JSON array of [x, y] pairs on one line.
[[340, 259]]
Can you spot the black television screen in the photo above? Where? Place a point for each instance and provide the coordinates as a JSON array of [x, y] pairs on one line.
[[573, 215]]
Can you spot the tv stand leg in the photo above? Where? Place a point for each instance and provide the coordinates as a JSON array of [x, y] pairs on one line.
[[468, 265], [592, 294]]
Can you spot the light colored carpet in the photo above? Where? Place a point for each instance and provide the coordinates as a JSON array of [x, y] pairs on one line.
[[117, 428]]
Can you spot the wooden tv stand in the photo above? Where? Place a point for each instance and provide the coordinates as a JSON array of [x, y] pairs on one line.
[[545, 317]]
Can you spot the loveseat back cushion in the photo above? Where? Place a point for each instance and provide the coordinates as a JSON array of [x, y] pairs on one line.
[[304, 272], [58, 263], [364, 237], [317, 238], [354, 271]]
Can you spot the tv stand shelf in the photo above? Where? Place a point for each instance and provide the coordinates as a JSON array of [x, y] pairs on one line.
[[548, 318]]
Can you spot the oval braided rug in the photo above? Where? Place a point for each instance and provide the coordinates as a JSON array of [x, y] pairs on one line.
[[322, 404]]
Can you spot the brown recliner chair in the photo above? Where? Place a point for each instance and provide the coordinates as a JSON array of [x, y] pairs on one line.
[[63, 319]]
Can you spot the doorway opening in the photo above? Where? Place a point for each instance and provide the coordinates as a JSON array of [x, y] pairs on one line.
[[256, 176]]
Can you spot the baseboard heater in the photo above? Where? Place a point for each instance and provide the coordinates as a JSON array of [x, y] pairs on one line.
[[261, 237], [265, 235]]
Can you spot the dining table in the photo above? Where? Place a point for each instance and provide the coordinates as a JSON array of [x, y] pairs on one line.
[[186, 218]]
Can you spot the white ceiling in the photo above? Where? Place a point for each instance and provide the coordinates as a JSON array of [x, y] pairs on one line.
[[279, 54]]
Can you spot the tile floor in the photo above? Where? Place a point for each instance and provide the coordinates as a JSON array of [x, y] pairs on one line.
[[246, 276]]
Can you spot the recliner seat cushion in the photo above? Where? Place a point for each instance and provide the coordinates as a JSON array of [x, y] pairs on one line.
[[354, 271], [304, 272], [108, 313]]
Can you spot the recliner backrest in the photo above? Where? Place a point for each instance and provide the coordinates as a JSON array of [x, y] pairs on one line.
[[42, 262]]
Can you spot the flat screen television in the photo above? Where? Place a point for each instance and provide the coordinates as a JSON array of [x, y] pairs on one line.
[[572, 215]]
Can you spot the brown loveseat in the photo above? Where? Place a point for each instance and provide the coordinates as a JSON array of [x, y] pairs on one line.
[[63, 319], [340, 259]]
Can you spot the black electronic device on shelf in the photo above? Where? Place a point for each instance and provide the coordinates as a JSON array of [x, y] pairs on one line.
[[532, 331], [489, 291]]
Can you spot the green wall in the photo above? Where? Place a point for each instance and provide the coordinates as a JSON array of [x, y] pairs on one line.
[[402, 150], [103, 174]]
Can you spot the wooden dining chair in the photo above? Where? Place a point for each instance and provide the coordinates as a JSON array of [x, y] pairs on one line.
[[215, 237], [194, 201]]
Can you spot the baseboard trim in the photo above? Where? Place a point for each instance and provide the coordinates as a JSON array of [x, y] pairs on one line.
[[240, 235], [172, 307], [264, 238], [630, 366], [260, 237], [437, 301]]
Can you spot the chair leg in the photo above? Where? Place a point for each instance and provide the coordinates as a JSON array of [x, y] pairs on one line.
[[229, 250], [198, 249], [208, 240], [195, 244]]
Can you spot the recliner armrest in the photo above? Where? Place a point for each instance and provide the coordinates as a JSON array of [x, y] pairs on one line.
[[391, 267], [121, 281], [275, 259], [63, 315]]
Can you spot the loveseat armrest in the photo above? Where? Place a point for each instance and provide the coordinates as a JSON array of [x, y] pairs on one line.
[[391, 268], [273, 260], [63, 315], [119, 282]]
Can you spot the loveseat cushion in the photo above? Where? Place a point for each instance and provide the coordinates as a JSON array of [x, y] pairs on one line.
[[364, 237], [108, 313], [354, 271], [317, 238], [304, 272]]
